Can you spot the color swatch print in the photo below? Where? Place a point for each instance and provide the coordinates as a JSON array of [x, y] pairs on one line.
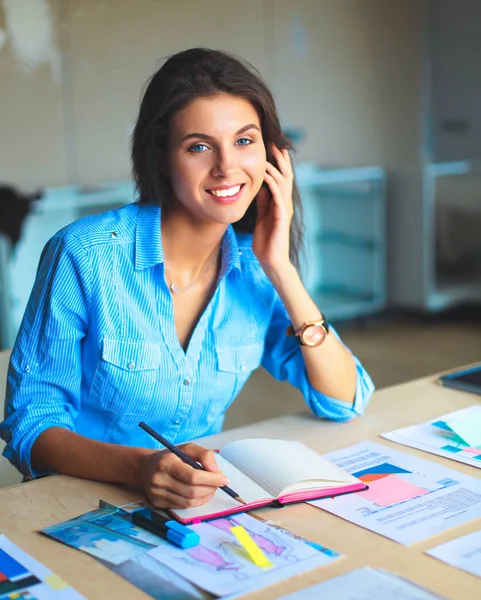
[[24, 578], [386, 485]]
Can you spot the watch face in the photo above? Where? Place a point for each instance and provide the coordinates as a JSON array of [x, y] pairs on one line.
[[313, 335]]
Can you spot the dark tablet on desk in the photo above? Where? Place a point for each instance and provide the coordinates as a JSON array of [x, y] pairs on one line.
[[468, 380]]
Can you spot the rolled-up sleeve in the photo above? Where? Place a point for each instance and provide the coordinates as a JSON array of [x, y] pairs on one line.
[[44, 377], [284, 360]]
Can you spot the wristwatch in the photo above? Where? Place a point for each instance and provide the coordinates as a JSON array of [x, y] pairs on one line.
[[311, 333]]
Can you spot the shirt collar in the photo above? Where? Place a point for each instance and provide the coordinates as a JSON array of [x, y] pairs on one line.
[[148, 237], [148, 242], [230, 252]]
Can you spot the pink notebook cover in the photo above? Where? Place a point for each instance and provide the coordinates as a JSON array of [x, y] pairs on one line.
[[288, 499]]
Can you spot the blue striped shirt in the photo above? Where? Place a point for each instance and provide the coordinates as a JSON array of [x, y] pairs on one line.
[[97, 350]]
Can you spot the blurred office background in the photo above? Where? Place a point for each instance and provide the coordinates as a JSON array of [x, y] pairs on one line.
[[383, 100]]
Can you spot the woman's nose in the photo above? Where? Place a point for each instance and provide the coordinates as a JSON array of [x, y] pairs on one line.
[[225, 163]]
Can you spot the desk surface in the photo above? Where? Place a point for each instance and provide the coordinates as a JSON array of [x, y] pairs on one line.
[[26, 508]]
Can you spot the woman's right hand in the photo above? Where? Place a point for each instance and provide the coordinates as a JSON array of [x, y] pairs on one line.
[[169, 482]]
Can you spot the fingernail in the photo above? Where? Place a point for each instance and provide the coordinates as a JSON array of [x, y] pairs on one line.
[[224, 481]]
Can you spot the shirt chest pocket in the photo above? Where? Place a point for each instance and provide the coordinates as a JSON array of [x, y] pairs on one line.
[[131, 356], [126, 377], [234, 365]]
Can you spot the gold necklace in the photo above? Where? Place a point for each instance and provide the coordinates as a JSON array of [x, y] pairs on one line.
[[175, 289]]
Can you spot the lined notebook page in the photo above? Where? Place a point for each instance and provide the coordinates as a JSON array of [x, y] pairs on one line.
[[279, 464], [247, 489]]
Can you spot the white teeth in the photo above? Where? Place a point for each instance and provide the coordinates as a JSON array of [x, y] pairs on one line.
[[225, 193]]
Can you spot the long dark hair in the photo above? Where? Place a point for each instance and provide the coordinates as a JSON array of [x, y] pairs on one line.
[[191, 74]]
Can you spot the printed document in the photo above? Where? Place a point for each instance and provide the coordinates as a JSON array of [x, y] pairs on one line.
[[409, 498]]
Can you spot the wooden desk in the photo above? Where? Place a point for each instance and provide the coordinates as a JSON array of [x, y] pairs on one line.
[[28, 507]]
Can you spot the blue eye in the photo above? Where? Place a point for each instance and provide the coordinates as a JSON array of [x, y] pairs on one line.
[[197, 148], [244, 142]]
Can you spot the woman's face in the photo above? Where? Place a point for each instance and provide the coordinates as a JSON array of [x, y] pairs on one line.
[[216, 159]]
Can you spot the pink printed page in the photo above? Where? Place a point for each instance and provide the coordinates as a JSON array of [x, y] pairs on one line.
[[390, 490]]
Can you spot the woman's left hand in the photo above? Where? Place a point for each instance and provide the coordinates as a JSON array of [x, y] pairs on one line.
[[274, 214]]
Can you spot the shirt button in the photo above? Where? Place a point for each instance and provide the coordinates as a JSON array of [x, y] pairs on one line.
[[186, 381], [131, 366], [26, 369], [240, 251], [243, 367], [113, 235], [177, 422]]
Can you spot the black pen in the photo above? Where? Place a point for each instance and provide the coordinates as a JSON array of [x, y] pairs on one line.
[[186, 458]]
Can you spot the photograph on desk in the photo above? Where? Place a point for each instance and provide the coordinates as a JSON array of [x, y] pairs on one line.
[[109, 535], [409, 498]]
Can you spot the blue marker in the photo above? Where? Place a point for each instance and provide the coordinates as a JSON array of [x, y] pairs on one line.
[[170, 530]]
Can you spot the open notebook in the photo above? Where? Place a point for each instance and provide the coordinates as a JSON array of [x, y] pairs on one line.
[[271, 472]]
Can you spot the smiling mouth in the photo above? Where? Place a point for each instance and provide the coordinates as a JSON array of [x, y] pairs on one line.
[[226, 192]]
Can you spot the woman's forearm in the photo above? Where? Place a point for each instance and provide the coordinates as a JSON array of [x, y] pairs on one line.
[[63, 451], [330, 367]]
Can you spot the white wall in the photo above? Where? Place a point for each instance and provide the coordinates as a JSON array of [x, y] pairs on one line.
[[346, 71], [455, 48]]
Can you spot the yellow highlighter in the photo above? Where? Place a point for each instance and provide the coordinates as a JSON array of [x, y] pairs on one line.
[[255, 553]]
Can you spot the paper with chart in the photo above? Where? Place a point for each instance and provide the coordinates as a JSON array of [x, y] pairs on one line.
[[220, 565], [409, 498], [437, 437], [467, 428], [21, 576], [364, 584], [463, 553]]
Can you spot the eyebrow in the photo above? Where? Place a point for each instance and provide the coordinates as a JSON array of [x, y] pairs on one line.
[[204, 136]]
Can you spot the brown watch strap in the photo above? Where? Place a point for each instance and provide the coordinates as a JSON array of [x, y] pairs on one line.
[[322, 321]]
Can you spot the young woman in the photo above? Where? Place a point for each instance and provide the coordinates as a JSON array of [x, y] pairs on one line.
[[159, 311]]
